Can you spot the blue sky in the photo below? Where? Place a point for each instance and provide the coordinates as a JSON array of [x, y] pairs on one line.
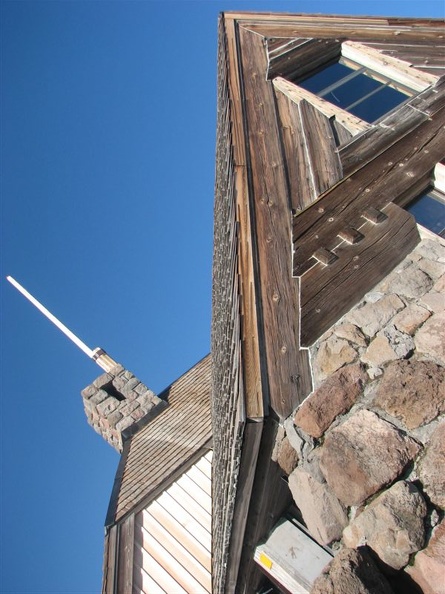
[[108, 144]]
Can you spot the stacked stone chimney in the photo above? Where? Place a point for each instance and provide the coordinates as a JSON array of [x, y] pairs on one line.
[[116, 401]]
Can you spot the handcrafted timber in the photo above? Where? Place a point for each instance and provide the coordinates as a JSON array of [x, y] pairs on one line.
[[307, 220]]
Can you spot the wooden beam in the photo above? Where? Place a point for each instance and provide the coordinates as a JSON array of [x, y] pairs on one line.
[[287, 367], [329, 290], [376, 184]]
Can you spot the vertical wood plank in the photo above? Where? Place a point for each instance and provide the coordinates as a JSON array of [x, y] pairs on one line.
[[288, 367], [125, 555]]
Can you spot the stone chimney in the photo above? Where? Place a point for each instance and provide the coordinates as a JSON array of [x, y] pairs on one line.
[[116, 402]]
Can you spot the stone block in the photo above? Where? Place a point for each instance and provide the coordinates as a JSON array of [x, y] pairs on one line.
[[102, 380], [352, 455], [431, 249], [99, 397], [392, 525], [147, 399], [432, 268], [434, 301], [372, 317], [130, 386], [332, 354], [351, 333], [126, 407], [409, 319], [89, 391], [412, 391], [352, 571], [323, 514], [287, 457], [430, 339], [432, 467], [114, 418], [107, 406], [379, 352], [137, 414], [411, 283], [295, 440], [124, 423], [334, 397], [119, 384], [439, 285], [428, 570]]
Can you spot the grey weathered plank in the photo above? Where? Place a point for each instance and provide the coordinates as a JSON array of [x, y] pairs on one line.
[[279, 297], [125, 555], [311, 54], [377, 183], [312, 162]]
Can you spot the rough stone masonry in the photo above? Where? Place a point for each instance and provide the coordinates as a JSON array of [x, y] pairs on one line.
[[365, 452], [115, 401]]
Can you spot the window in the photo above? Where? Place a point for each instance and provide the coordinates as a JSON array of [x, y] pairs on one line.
[[356, 89], [362, 86], [429, 211]]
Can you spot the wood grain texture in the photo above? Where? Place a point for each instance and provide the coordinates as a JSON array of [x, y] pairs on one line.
[[125, 555], [311, 159], [329, 291], [299, 57], [287, 366], [109, 565], [376, 184]]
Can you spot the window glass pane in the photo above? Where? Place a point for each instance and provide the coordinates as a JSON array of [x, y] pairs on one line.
[[352, 90], [429, 211], [365, 94], [375, 106], [325, 78]]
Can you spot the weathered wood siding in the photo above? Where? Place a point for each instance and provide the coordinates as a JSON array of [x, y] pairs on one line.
[[298, 180]]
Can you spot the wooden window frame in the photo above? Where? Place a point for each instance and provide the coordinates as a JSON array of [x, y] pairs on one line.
[[398, 71]]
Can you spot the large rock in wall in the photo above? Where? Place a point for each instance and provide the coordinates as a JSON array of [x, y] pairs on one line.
[[375, 423]]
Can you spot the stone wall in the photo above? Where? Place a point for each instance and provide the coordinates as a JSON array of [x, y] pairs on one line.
[[115, 401], [365, 452]]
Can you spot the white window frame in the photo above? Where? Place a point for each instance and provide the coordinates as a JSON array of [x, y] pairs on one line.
[[396, 70]]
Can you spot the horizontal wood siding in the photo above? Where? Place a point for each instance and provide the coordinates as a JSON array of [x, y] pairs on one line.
[[172, 537]]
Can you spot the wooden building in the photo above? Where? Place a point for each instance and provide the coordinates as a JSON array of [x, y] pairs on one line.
[[328, 128], [158, 526], [313, 172]]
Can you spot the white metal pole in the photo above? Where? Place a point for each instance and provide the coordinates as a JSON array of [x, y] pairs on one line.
[[52, 318]]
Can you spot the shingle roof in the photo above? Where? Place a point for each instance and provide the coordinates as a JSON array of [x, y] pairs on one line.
[[153, 456]]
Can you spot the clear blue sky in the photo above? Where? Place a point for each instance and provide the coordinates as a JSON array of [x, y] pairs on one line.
[[108, 144]]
